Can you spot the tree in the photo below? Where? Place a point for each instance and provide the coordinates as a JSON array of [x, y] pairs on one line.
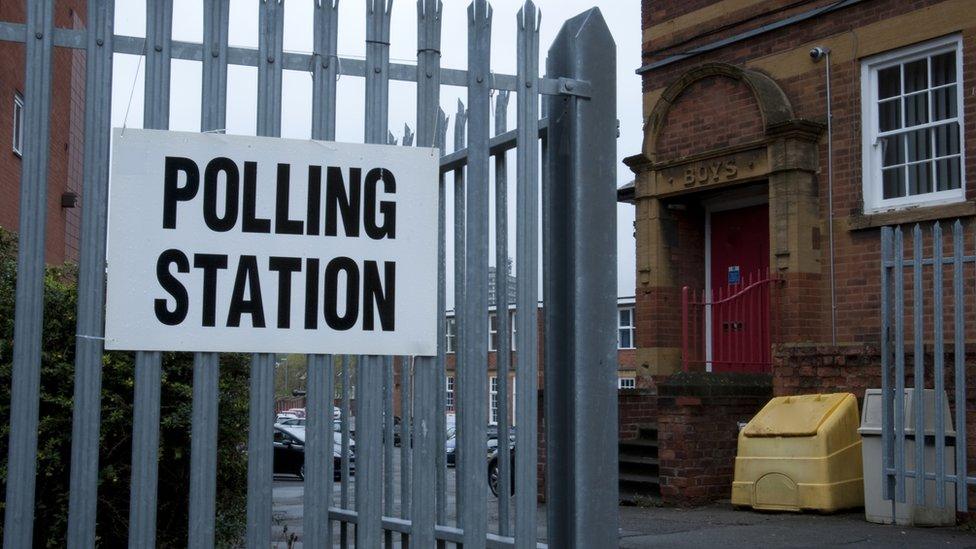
[[54, 429]]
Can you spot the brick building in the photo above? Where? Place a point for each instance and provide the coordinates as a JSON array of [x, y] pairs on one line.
[[626, 354], [67, 132], [739, 184]]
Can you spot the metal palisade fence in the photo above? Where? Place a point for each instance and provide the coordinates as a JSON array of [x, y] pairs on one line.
[[921, 316], [578, 157]]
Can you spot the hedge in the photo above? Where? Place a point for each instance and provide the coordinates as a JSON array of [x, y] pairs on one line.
[[54, 429]]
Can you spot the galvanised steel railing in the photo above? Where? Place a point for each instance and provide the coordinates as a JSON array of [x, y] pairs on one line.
[[925, 269], [579, 258]]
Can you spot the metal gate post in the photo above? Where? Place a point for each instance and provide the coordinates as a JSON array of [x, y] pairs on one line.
[[369, 385], [29, 306], [206, 366], [83, 491], [580, 260], [260, 446], [148, 367], [428, 404]]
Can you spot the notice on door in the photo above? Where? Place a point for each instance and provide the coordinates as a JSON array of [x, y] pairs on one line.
[[251, 244]]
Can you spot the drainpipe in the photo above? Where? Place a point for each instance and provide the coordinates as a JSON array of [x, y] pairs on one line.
[[817, 54]]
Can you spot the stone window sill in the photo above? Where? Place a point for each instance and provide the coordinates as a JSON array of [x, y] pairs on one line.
[[911, 215]]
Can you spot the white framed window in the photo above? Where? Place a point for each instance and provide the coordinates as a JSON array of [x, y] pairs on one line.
[[493, 398], [625, 328], [911, 109], [450, 335], [512, 345], [626, 383], [511, 383], [492, 332], [18, 138], [450, 393]]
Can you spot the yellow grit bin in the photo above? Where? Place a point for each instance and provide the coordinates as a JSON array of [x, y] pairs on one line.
[[801, 453]]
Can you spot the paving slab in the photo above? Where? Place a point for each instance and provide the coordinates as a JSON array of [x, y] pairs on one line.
[[721, 525]]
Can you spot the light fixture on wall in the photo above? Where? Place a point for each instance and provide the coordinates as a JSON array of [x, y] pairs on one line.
[[69, 199]]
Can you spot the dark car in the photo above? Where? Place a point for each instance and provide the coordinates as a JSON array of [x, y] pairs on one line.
[[493, 469], [289, 454], [396, 431], [450, 447]]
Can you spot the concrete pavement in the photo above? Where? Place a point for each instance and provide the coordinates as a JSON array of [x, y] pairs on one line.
[[710, 526], [720, 525]]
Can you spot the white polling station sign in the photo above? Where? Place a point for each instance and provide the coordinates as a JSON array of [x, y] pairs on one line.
[[254, 244]]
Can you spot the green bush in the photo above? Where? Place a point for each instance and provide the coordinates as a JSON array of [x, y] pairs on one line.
[[54, 430]]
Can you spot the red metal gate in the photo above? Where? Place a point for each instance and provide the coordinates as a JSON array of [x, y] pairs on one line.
[[735, 319]]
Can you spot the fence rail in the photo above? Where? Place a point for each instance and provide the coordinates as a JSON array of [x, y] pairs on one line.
[[580, 88], [927, 281], [728, 328]]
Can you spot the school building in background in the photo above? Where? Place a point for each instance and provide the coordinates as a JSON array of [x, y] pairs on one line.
[[67, 133], [626, 353], [779, 137]]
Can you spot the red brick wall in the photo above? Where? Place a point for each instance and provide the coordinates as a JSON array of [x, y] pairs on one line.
[[727, 23], [66, 130], [811, 369], [658, 312], [636, 408], [698, 417], [710, 114], [796, 304], [659, 318], [76, 141], [856, 252], [626, 358]]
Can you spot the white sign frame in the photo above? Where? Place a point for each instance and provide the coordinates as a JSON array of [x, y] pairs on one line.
[[158, 232]]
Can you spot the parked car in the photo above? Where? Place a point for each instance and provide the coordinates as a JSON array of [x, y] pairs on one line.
[[282, 416], [289, 452], [396, 431], [493, 469], [450, 446], [292, 422]]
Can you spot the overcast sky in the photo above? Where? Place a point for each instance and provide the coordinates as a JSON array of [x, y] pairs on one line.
[[623, 18]]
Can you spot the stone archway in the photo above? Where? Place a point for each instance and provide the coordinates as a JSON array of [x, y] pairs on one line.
[[778, 149], [774, 106]]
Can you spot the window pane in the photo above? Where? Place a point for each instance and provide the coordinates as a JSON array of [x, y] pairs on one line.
[[919, 176], [18, 124], [894, 149], [944, 68], [947, 174], [889, 82], [889, 115], [944, 103], [624, 339], [916, 109], [947, 139], [919, 145], [622, 317], [916, 75], [894, 182]]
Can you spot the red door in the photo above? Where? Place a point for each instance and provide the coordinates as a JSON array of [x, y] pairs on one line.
[[739, 250]]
